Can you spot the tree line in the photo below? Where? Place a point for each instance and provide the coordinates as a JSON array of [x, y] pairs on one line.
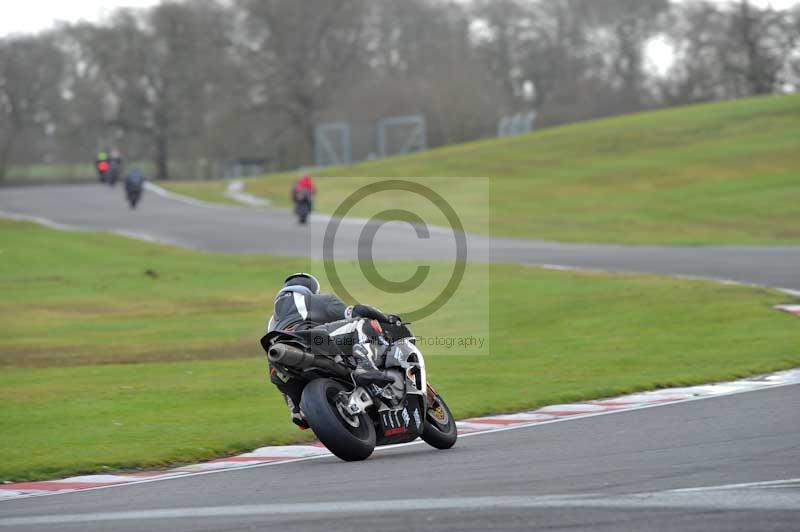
[[216, 79]]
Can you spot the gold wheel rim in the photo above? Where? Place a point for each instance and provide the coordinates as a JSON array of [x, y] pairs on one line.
[[439, 414]]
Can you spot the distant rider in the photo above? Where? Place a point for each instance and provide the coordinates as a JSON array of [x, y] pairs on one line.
[[134, 180], [115, 162], [303, 197], [355, 329], [102, 165], [304, 189], [134, 185]]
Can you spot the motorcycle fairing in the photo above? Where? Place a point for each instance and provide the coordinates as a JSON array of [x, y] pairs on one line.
[[405, 355], [402, 424]]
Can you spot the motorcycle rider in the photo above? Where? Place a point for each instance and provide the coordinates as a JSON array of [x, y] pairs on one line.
[[304, 187], [355, 328], [304, 190], [101, 164], [115, 163], [115, 157], [134, 183]]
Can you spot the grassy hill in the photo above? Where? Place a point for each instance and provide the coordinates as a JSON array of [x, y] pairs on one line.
[[716, 173]]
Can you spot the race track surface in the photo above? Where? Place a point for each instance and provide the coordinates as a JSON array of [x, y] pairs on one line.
[[247, 230], [616, 472]]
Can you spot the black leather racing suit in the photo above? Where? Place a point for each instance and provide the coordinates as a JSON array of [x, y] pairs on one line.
[[298, 309]]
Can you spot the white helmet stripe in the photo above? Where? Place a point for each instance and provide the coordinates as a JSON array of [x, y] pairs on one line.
[[300, 303]]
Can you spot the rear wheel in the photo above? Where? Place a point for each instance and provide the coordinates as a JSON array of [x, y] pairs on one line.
[[350, 437], [439, 429]]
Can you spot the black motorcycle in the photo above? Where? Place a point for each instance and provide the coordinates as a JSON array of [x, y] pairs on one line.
[[349, 419], [302, 206], [134, 186], [133, 194]]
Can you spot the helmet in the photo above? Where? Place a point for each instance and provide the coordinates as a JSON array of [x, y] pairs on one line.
[[303, 279]]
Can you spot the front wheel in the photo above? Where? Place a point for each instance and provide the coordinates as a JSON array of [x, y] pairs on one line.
[[439, 429], [350, 437]]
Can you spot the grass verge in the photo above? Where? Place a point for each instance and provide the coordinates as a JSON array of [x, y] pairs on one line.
[[104, 366], [723, 173]]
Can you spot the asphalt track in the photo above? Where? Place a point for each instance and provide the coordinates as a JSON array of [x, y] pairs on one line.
[[248, 230], [615, 472]]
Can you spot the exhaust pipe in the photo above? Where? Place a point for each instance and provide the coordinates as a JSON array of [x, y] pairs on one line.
[[287, 355]]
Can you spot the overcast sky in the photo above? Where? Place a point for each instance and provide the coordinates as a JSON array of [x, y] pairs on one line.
[[28, 16]]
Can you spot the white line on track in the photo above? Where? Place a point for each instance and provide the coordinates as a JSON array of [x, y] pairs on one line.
[[789, 482], [714, 499], [793, 380], [558, 267], [235, 191], [45, 222], [50, 224], [164, 193]]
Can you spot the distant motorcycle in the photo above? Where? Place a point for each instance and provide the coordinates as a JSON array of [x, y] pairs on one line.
[[303, 205], [133, 195], [134, 186], [103, 167], [114, 171], [351, 420]]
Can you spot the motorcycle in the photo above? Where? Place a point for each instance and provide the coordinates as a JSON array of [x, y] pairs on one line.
[[302, 206], [134, 185], [351, 419], [113, 174], [103, 168], [133, 194]]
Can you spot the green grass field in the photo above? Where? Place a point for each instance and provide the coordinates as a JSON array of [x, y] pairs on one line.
[[104, 366], [724, 173]]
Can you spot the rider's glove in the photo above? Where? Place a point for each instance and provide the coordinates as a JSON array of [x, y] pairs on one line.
[[365, 311]]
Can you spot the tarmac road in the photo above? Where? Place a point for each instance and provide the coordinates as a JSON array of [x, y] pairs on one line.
[[608, 473], [247, 230]]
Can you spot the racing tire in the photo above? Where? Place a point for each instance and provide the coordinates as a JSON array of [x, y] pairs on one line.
[[439, 429], [351, 438], [133, 199]]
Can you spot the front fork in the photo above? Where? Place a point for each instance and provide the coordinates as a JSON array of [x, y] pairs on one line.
[[430, 394]]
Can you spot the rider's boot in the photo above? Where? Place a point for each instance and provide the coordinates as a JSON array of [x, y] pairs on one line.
[[295, 412], [366, 372]]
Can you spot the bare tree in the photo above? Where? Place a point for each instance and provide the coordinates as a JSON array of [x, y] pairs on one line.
[[422, 60], [754, 48], [628, 25], [157, 68], [251, 78], [302, 52], [792, 69], [501, 43], [693, 31], [30, 73]]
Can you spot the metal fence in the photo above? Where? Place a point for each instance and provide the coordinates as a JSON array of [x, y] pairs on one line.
[[517, 124], [342, 143]]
